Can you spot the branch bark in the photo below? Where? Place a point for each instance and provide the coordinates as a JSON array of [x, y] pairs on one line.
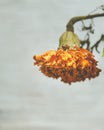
[[69, 26]]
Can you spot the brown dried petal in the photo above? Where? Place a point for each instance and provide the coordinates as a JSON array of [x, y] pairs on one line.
[[69, 65]]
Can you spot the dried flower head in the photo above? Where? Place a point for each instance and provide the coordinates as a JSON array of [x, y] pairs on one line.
[[72, 65]]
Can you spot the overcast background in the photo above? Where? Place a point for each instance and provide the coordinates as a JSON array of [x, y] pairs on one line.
[[28, 99]]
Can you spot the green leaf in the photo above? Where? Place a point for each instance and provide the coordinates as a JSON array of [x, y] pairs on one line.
[[103, 53], [102, 38]]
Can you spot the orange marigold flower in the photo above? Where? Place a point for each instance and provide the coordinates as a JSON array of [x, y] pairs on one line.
[[70, 65]]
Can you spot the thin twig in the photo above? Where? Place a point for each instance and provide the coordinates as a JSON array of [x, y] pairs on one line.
[[87, 42], [97, 44]]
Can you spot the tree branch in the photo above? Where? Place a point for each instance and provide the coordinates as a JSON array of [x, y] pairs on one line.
[[87, 42], [97, 44], [69, 26]]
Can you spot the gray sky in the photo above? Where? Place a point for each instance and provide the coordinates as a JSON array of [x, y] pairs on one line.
[[28, 99]]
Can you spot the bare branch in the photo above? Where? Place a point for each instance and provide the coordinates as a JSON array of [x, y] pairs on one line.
[[97, 44], [88, 28], [87, 42]]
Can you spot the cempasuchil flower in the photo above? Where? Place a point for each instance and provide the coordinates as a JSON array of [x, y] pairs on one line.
[[72, 65]]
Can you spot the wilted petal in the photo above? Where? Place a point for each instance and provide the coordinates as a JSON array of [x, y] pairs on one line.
[[69, 65]]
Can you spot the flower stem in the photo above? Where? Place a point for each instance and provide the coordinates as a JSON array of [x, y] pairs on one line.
[[72, 21]]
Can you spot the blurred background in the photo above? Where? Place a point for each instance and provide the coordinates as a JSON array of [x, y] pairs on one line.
[[28, 99]]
